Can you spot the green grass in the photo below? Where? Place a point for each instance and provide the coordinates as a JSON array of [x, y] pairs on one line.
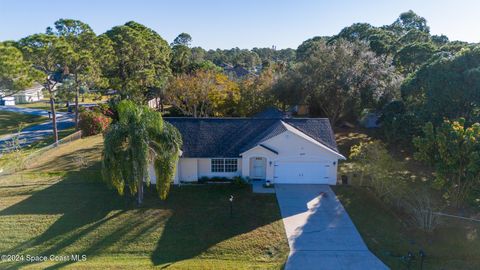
[[60, 106], [60, 206], [9, 121], [453, 245], [15, 161], [41, 105], [49, 139]]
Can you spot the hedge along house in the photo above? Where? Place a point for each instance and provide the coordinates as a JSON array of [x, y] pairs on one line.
[[268, 147]]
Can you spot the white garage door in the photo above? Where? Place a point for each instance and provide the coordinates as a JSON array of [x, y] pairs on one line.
[[288, 172]]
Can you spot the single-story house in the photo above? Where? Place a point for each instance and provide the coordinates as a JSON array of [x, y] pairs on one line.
[[32, 94], [29, 95], [278, 149]]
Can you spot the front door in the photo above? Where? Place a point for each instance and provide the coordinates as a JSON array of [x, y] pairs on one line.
[[258, 168]]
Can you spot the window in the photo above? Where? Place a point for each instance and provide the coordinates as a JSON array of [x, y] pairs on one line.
[[218, 165], [224, 165], [230, 165]]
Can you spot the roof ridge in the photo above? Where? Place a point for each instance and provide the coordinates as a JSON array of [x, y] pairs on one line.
[[264, 135], [227, 137]]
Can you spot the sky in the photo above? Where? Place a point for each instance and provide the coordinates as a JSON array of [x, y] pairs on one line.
[[240, 23]]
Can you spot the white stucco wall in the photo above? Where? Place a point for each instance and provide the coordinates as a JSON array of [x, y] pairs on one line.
[[187, 170], [190, 169], [153, 178], [258, 151], [291, 147], [204, 169]]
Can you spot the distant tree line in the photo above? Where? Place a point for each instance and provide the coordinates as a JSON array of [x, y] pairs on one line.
[[422, 86], [399, 71]]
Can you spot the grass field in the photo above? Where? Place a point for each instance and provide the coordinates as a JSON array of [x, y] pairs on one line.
[[389, 234], [49, 139], [41, 105], [9, 121], [60, 106], [454, 245], [59, 206]]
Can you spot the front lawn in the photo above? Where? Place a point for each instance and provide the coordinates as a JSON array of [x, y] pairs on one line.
[[9, 121], [59, 206]]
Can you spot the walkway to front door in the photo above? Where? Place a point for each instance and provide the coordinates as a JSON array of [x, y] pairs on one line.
[[320, 233]]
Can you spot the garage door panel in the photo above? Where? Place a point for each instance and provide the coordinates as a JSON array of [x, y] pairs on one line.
[[301, 172]]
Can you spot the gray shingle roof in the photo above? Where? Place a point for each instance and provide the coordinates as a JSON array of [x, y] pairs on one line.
[[271, 112], [229, 137]]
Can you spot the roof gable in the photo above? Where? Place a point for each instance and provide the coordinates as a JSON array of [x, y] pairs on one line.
[[310, 139]]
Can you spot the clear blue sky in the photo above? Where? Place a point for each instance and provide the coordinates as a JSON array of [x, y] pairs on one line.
[[239, 23]]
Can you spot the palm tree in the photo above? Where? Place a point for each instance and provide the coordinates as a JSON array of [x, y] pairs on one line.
[[137, 139]]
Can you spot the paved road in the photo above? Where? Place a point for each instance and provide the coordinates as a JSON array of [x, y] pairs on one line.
[[28, 111], [320, 233], [34, 133]]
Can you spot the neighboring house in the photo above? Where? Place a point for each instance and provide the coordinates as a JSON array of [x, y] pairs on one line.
[[111, 92], [282, 150], [154, 103], [32, 94], [237, 71], [370, 120], [7, 101], [301, 110]]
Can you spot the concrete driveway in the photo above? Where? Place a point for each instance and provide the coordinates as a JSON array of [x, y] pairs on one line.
[[320, 233]]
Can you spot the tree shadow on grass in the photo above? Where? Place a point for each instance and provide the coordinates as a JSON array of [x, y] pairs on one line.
[[83, 203], [202, 220], [93, 219], [69, 161], [194, 219]]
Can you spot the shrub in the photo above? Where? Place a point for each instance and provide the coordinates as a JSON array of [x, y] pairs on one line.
[[399, 125], [93, 123], [378, 169], [453, 150], [104, 109], [219, 179], [203, 179], [422, 210], [239, 181]]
